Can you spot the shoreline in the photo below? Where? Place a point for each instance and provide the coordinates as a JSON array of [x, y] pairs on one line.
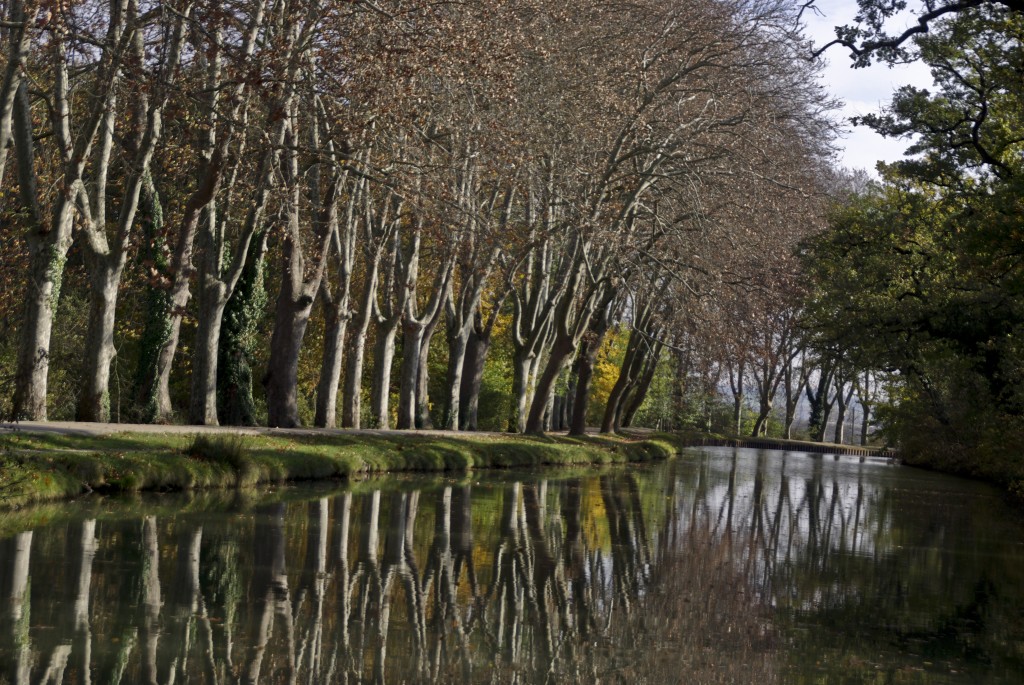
[[44, 463], [47, 462]]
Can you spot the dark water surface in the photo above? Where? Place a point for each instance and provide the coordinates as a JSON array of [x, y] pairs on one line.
[[720, 566]]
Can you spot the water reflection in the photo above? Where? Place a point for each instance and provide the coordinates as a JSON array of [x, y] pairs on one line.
[[725, 566]]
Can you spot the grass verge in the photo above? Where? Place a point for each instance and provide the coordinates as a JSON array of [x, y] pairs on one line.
[[39, 467]]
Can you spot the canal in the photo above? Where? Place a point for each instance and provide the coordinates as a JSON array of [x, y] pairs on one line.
[[719, 566]]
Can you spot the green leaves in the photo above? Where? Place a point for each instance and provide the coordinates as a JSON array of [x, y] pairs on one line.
[[969, 132], [923, 273]]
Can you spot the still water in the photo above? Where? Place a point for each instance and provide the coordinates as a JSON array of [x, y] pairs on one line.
[[719, 566]]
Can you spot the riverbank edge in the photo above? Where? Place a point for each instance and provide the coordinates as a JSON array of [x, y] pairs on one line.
[[43, 466], [716, 440]]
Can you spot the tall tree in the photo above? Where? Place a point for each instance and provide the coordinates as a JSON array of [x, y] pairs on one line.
[[81, 140], [149, 89], [221, 111]]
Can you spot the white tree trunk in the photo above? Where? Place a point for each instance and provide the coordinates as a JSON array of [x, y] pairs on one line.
[[94, 403], [383, 356]]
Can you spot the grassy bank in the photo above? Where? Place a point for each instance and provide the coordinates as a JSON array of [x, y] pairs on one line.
[[38, 467]]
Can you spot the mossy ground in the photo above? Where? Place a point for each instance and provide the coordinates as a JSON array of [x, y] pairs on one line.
[[37, 467]]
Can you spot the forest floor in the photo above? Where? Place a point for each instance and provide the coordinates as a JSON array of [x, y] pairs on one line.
[[53, 460]]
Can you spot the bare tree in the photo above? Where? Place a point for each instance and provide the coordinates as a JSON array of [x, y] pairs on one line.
[[79, 138], [152, 81], [212, 161]]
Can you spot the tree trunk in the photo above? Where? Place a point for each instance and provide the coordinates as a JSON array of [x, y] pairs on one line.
[[417, 331], [549, 414], [423, 420], [107, 257], [412, 340], [632, 364], [75, 139], [531, 321], [584, 377], [157, 306], [737, 413], [178, 300], [467, 328], [842, 403], [217, 286], [820, 414], [351, 409], [865, 422], [294, 304], [215, 148], [47, 253], [18, 38], [640, 392], [338, 312], [94, 403], [522, 388], [48, 248], [840, 430], [561, 351], [240, 321], [458, 344], [581, 393], [558, 412], [793, 393], [398, 306], [564, 416], [216, 290], [463, 315], [212, 300], [736, 383], [820, 404], [761, 424], [205, 348], [106, 263], [479, 346], [179, 295], [383, 356], [336, 323], [300, 278], [574, 316], [352, 400], [819, 433], [818, 420]]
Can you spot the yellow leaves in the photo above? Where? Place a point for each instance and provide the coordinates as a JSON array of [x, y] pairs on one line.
[[595, 516], [606, 369]]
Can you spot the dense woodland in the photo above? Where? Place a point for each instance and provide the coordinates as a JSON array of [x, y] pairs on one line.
[[504, 215], [376, 215]]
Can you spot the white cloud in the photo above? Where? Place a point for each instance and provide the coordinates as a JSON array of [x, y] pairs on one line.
[[863, 91]]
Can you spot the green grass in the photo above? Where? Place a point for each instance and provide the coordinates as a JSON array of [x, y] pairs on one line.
[[39, 467]]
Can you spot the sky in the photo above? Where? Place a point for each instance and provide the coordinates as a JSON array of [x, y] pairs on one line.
[[862, 91]]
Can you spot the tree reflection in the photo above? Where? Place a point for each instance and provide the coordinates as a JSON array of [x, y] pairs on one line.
[[621, 576], [14, 620]]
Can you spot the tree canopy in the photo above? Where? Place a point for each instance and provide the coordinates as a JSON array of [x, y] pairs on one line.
[[921, 274], [869, 37]]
